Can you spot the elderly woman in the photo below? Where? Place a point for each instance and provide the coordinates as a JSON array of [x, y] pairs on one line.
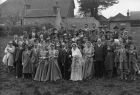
[[76, 67], [88, 68]]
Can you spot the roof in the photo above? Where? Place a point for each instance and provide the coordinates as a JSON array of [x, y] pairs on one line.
[[50, 4], [102, 18], [134, 15], [119, 17], [39, 13], [13, 6]]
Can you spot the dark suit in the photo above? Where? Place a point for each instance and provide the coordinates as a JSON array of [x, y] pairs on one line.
[[63, 62], [99, 60]]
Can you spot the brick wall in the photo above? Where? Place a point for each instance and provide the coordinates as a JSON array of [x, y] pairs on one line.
[[32, 21], [135, 33]]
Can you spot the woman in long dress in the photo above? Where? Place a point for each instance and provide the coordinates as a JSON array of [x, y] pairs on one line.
[[76, 67], [54, 72], [88, 68], [46, 66], [42, 62]]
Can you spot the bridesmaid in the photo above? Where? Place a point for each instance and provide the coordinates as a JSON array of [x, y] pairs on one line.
[[76, 67], [54, 72], [42, 62], [46, 66], [88, 68]]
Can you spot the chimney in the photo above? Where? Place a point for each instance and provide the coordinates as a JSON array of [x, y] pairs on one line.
[[56, 6], [128, 14]]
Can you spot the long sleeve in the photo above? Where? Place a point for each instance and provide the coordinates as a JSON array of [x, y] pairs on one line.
[[23, 57], [5, 51]]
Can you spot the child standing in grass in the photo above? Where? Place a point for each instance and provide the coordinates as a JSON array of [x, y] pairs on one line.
[[123, 65], [133, 62]]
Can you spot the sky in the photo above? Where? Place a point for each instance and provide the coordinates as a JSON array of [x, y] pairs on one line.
[[122, 7]]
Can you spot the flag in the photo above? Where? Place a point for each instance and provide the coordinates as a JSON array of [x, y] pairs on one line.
[[58, 22]]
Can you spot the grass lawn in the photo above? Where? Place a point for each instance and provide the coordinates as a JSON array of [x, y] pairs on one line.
[[9, 85]]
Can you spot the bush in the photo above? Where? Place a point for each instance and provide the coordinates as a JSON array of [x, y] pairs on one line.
[[16, 30]]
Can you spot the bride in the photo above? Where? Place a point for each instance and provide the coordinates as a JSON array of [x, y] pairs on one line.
[[76, 67]]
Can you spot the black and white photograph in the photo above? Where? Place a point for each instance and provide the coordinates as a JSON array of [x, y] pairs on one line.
[[69, 47]]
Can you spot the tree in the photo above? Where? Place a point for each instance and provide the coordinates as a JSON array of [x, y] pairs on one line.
[[92, 7]]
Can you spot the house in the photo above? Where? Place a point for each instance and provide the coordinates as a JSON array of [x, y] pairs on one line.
[[37, 11], [119, 20], [131, 22], [134, 20], [103, 20]]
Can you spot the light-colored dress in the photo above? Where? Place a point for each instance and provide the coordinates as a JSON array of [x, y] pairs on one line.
[[40, 68], [88, 67], [54, 72], [76, 67], [123, 65]]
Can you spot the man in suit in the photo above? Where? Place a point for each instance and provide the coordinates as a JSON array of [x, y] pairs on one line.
[[99, 57], [63, 62]]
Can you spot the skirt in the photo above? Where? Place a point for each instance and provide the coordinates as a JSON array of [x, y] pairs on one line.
[[88, 68], [53, 72], [39, 71]]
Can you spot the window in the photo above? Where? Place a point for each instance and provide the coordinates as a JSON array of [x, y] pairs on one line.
[[135, 23], [28, 6]]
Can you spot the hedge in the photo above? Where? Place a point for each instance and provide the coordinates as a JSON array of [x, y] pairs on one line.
[[18, 30]]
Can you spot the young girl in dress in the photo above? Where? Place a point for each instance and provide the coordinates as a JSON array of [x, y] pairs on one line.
[[123, 65], [133, 62]]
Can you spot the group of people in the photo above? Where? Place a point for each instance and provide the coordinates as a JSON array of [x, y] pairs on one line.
[[74, 54]]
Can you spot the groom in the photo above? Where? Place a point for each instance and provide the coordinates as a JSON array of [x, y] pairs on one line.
[[63, 61]]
